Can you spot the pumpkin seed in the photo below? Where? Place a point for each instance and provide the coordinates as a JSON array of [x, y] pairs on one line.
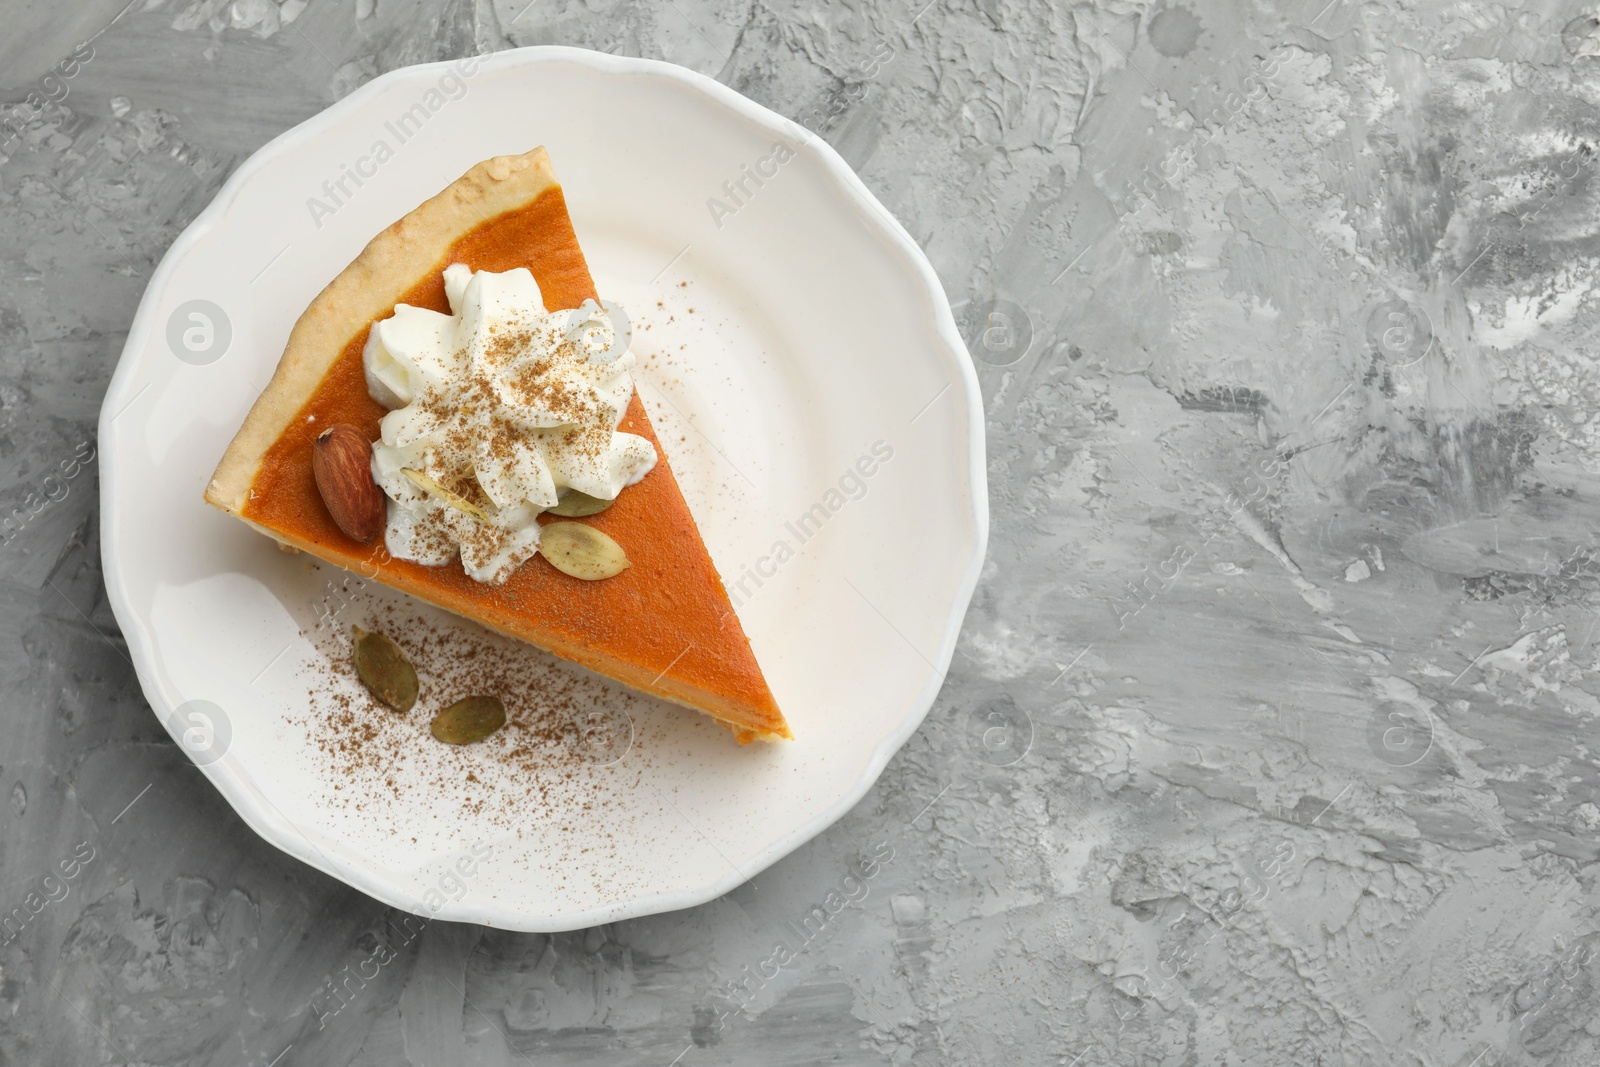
[[469, 720], [576, 505], [433, 488], [581, 551], [384, 670]]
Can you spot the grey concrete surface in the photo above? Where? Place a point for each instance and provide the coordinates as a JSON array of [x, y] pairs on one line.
[[1270, 737]]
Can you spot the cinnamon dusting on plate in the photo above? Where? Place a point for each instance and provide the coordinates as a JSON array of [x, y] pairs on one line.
[[570, 737]]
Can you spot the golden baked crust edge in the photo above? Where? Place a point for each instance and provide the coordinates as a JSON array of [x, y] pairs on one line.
[[364, 292]]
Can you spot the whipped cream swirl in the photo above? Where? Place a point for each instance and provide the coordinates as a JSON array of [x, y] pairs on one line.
[[495, 410]]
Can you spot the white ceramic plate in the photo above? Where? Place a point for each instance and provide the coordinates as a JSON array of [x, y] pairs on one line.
[[818, 334]]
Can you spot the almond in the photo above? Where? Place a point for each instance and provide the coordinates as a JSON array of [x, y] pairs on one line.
[[341, 461]]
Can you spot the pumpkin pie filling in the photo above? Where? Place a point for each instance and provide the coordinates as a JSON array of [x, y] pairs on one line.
[[664, 625]]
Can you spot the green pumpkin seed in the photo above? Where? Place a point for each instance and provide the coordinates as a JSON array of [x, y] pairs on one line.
[[469, 720], [576, 505], [384, 670], [434, 489], [581, 551]]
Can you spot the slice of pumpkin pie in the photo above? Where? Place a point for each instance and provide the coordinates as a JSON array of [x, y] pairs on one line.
[[455, 416]]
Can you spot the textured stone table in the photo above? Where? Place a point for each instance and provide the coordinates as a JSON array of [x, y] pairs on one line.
[[1270, 737]]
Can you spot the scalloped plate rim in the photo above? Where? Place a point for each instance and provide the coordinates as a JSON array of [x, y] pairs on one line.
[[280, 832]]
